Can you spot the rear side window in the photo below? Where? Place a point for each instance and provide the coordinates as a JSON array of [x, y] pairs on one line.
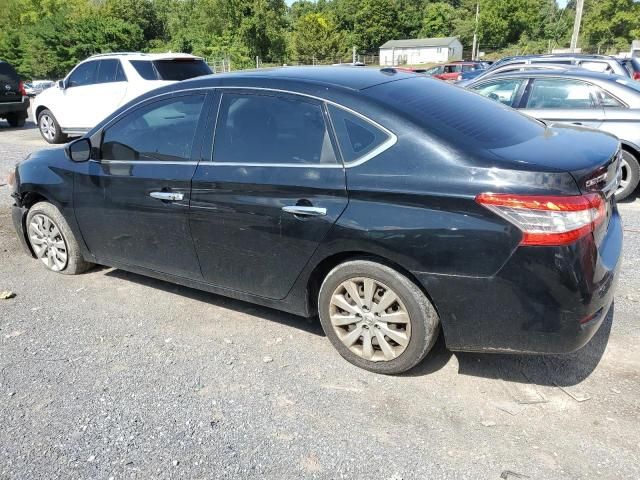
[[176, 69], [458, 116], [109, 71], [357, 137], [265, 129], [84, 74], [606, 99], [160, 131], [560, 94]]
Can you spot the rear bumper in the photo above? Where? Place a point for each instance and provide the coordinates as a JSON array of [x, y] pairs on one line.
[[15, 107], [543, 300], [18, 215]]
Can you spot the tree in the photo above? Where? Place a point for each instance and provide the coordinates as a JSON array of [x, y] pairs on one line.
[[316, 36], [375, 22], [611, 23], [438, 20]]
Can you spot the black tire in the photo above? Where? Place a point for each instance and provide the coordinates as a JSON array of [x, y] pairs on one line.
[[15, 120], [75, 263], [631, 175], [423, 317], [50, 128]]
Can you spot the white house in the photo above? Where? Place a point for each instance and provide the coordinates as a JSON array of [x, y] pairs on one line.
[[420, 50]]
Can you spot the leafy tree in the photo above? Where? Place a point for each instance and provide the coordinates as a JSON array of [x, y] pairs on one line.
[[316, 36], [375, 22], [438, 20], [611, 23]]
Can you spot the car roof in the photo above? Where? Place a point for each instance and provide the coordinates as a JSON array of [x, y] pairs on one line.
[[568, 72], [356, 78], [142, 56]]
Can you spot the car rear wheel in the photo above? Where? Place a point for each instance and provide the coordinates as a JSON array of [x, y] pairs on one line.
[[50, 128], [630, 175], [376, 317], [16, 120], [52, 241]]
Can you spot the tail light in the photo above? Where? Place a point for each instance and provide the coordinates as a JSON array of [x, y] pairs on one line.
[[548, 220], [21, 89], [636, 75]]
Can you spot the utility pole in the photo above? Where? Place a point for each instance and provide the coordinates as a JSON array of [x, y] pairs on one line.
[[354, 55], [475, 32], [576, 25]]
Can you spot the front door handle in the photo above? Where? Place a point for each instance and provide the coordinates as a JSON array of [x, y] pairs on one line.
[[305, 211], [168, 196]]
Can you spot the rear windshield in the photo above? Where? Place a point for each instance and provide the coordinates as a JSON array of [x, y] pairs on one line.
[[456, 115], [7, 71], [176, 69]]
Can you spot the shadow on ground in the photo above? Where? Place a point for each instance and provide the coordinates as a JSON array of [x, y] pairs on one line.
[[562, 370], [309, 325]]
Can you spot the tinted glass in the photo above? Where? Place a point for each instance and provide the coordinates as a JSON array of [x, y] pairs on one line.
[[160, 131], [181, 69], [110, 71], [85, 74], [270, 129], [145, 69], [458, 116], [504, 91], [356, 136], [560, 94]]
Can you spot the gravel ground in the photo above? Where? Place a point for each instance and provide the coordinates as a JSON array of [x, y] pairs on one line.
[[114, 375]]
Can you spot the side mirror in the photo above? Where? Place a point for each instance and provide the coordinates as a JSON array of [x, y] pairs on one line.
[[62, 85], [79, 150]]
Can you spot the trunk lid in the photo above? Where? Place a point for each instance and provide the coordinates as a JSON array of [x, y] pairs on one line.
[[9, 84]]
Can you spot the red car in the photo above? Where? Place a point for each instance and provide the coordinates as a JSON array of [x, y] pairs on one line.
[[450, 71]]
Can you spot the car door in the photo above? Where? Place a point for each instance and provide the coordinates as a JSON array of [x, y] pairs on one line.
[[105, 95], [132, 202], [270, 192], [72, 105], [563, 100]]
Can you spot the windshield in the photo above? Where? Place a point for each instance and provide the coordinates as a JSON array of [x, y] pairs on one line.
[[172, 69], [456, 115]]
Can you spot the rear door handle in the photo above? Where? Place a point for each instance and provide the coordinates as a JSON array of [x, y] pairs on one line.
[[168, 196], [305, 211]]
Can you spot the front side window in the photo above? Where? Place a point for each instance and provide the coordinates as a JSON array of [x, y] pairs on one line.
[[84, 74], [356, 136], [160, 131], [560, 94], [504, 91], [267, 129], [110, 71]]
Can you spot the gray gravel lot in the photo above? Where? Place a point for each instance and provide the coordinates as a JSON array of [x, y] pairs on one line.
[[114, 375]]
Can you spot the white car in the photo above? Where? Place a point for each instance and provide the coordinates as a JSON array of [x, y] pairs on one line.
[[97, 86]]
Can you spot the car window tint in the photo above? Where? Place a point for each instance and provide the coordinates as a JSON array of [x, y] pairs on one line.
[[271, 130], [504, 91], [110, 71], [162, 131], [145, 69], [456, 115], [181, 69], [84, 74], [560, 94], [356, 136], [607, 100]]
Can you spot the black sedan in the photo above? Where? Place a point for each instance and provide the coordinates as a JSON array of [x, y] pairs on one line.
[[388, 203]]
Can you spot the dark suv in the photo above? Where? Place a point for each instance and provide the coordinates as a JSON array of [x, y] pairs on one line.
[[14, 102], [388, 203]]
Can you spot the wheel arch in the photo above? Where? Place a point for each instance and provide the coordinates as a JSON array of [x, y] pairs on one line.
[[324, 266], [632, 148], [38, 111]]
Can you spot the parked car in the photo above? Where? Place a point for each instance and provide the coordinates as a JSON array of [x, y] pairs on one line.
[[518, 67], [597, 63], [450, 71], [387, 202], [106, 82], [607, 102], [37, 86], [14, 103], [633, 67]]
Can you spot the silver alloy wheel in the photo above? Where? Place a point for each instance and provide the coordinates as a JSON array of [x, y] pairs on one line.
[[47, 242], [47, 127], [370, 319], [624, 179]]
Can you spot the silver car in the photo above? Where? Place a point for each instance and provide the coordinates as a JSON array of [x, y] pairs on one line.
[[606, 102]]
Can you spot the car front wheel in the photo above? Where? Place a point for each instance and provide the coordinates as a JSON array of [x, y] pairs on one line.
[[52, 241], [376, 317], [50, 128]]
